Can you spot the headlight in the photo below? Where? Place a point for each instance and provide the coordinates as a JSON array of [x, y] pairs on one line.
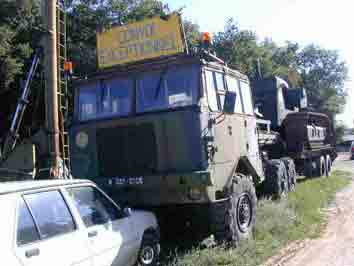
[[81, 140]]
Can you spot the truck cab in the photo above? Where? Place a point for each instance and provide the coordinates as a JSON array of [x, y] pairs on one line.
[[158, 132]]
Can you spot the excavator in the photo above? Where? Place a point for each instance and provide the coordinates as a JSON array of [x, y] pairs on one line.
[[45, 155]]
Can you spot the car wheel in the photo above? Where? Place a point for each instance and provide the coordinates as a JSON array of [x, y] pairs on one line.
[[149, 251]]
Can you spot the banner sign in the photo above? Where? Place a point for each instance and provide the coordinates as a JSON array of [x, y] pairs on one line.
[[138, 41]]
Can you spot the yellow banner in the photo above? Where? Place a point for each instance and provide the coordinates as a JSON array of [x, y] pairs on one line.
[[147, 39]]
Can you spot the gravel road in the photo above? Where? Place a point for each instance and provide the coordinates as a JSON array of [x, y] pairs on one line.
[[336, 246]]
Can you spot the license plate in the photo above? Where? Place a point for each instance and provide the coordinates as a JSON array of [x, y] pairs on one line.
[[126, 181]]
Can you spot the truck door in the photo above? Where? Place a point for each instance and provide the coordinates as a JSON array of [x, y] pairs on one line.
[[250, 126]]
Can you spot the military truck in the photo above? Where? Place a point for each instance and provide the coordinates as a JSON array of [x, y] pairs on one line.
[[177, 133]]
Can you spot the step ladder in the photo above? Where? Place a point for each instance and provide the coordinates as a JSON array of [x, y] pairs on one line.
[[62, 93]]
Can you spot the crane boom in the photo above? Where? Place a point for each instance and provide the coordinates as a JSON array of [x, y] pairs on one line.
[[11, 138]]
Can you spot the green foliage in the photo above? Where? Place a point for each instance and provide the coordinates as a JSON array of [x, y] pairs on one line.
[[339, 130], [323, 73], [278, 223]]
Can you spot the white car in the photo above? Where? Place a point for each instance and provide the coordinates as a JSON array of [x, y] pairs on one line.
[[72, 223]]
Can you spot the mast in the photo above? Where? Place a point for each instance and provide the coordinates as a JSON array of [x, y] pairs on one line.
[[51, 88]]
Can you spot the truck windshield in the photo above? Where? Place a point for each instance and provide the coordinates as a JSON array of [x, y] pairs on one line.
[[158, 90], [169, 88], [106, 98]]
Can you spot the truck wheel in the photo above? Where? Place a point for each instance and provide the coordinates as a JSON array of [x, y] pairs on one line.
[[234, 218], [320, 166], [276, 179], [291, 172], [149, 251], [328, 165]]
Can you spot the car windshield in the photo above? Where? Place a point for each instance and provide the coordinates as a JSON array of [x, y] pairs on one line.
[[169, 88]]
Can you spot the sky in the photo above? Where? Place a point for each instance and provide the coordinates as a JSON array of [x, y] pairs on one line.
[[327, 23]]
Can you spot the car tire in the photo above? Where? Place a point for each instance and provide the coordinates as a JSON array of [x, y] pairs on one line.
[[235, 217], [149, 251]]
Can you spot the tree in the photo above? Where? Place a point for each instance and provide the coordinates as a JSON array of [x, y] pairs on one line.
[[19, 32], [323, 73]]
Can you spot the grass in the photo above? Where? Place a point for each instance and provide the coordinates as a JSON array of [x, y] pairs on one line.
[[278, 223]]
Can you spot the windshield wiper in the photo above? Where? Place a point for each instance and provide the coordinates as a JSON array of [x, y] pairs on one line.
[[159, 85]]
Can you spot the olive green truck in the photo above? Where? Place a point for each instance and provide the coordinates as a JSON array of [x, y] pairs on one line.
[[180, 134]]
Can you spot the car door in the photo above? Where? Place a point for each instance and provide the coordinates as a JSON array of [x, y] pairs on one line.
[[113, 240], [46, 233]]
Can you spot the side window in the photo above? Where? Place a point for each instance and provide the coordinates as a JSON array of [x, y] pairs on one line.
[[232, 85], [50, 213], [246, 98], [26, 228], [219, 78], [211, 90], [94, 207]]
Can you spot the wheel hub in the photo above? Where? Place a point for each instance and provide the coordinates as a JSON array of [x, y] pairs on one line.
[[244, 212], [147, 255]]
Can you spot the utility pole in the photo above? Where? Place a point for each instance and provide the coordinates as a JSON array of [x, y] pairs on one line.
[[51, 88]]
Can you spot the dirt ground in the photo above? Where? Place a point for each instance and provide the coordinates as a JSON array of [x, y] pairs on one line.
[[336, 246]]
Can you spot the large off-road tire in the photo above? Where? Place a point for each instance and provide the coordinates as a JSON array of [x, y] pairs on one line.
[[234, 218], [328, 165], [276, 179], [320, 166], [291, 172], [149, 250]]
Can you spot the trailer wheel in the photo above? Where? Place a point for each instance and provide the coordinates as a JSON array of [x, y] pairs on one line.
[[320, 166], [328, 165], [234, 218], [291, 172], [276, 179]]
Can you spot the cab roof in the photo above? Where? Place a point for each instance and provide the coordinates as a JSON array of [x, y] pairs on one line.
[[156, 64], [21, 186]]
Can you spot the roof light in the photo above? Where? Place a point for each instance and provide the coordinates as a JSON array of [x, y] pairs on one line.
[[68, 67], [206, 37]]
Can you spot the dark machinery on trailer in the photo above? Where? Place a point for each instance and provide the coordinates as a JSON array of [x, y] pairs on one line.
[[179, 134], [293, 130]]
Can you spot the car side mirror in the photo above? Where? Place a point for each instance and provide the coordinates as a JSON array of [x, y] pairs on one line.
[[229, 102], [127, 212]]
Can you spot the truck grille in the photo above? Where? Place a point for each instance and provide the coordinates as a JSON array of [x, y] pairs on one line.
[[128, 150]]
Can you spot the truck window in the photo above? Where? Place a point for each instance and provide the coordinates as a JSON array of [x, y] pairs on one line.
[[246, 98], [117, 97], [219, 78], [113, 97], [88, 102], [170, 88], [211, 90], [233, 85]]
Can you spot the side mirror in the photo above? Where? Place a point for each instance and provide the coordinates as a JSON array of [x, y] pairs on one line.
[[127, 212], [229, 102]]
